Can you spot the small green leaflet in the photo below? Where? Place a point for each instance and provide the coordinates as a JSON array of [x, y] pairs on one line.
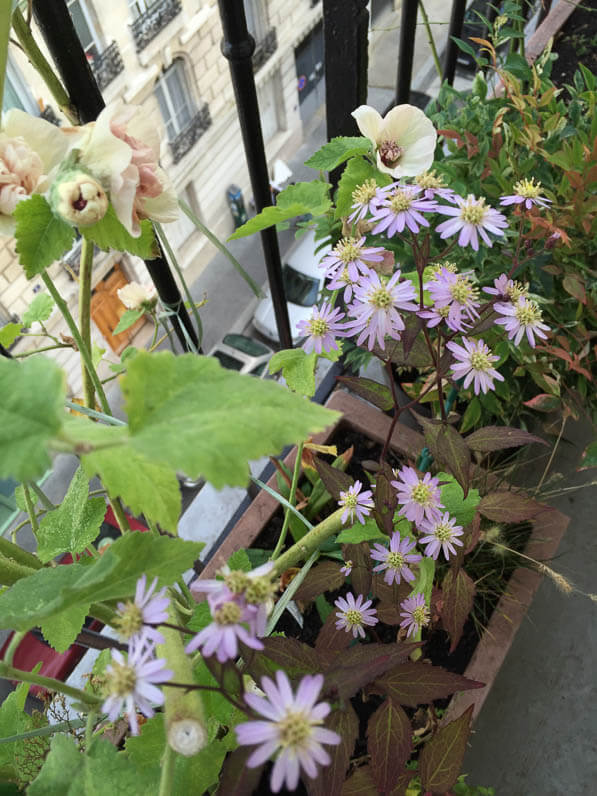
[[296, 200], [298, 369], [40, 309], [589, 457], [127, 319], [9, 333], [42, 237], [74, 525], [61, 630], [356, 172], [338, 150], [31, 414], [109, 233], [454, 503], [361, 533]]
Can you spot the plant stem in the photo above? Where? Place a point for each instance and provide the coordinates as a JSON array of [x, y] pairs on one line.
[[431, 40], [85, 353], [86, 267], [102, 612], [24, 354], [120, 515], [167, 775], [30, 508], [41, 495], [11, 571], [10, 673], [10, 550], [12, 647], [40, 63], [291, 499], [309, 543], [89, 725]]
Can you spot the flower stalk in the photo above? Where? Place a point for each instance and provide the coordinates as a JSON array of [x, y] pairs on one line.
[[8, 672], [309, 543], [85, 317]]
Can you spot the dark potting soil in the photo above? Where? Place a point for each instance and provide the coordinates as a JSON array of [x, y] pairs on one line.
[[576, 44]]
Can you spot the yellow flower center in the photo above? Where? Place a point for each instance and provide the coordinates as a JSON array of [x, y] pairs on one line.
[[347, 250], [130, 620], [480, 361], [353, 617], [350, 500], [420, 615], [390, 153], [121, 680], [228, 614], [462, 291], [381, 298], [443, 311], [365, 192], [473, 211], [527, 312], [527, 188], [443, 532], [516, 291], [430, 180], [436, 268], [395, 560], [422, 494], [259, 590], [294, 730], [236, 581], [318, 327], [400, 201]]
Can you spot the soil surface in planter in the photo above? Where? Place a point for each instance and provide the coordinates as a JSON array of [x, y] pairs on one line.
[[576, 43]]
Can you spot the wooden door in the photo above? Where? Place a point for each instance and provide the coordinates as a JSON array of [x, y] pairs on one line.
[[107, 309]]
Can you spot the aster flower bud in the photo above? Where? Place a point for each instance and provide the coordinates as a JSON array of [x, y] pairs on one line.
[[78, 198]]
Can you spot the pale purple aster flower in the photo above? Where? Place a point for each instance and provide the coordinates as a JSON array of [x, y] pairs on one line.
[[351, 253], [146, 609], [441, 535], [366, 198], [435, 315], [341, 281], [472, 218], [321, 327], [292, 728], [355, 614], [415, 613], [396, 560], [230, 581], [228, 628], [131, 683], [527, 192], [353, 501], [347, 568], [420, 498], [474, 364], [507, 288], [524, 316], [433, 186], [457, 292], [375, 308], [401, 208]]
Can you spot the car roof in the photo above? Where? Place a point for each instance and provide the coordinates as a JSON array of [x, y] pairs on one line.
[[302, 258]]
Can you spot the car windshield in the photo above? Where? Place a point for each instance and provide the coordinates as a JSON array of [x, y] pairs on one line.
[[300, 289], [246, 344], [227, 361]]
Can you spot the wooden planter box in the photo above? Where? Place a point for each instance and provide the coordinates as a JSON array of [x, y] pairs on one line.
[[548, 529]]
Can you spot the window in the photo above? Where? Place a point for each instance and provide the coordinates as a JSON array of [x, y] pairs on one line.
[[256, 22], [138, 7], [180, 230], [174, 98], [268, 109], [16, 91], [87, 30]]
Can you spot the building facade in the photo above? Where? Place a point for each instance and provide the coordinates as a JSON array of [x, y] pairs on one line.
[[165, 56]]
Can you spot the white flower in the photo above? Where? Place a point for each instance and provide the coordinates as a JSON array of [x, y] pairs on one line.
[[134, 295], [121, 148], [404, 138]]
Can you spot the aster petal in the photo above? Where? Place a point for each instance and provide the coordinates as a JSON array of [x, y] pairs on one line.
[[262, 753], [256, 732]]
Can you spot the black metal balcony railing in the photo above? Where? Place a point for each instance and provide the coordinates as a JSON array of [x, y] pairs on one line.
[[107, 65], [148, 24], [265, 48], [191, 133], [49, 114]]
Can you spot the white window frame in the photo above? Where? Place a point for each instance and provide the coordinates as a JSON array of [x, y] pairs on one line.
[[139, 7], [179, 66], [256, 19], [97, 40], [20, 89], [267, 96]]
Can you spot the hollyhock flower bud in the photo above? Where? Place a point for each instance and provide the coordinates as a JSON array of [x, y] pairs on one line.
[[79, 199]]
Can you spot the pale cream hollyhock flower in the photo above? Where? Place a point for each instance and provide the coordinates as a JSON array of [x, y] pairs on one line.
[[134, 295], [31, 150], [122, 148], [79, 199], [404, 139]]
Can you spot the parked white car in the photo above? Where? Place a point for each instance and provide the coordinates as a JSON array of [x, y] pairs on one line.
[[242, 353], [303, 281]]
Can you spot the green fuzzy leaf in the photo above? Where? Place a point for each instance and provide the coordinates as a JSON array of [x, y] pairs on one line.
[[361, 533], [13, 721], [42, 238], [31, 414], [356, 172], [298, 369], [9, 333], [239, 560], [109, 233], [471, 416], [454, 501], [190, 413], [296, 200], [49, 592], [19, 495], [337, 151], [127, 319], [40, 309], [59, 768], [74, 524], [61, 630]]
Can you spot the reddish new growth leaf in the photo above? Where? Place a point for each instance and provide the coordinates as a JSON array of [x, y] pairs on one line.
[[360, 555], [417, 683], [441, 759], [389, 742], [505, 506], [495, 438], [452, 451], [458, 592], [385, 500], [323, 577], [362, 664], [334, 479], [330, 778]]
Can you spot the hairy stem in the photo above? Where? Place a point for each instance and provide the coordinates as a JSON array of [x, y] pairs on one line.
[[10, 550], [308, 544], [10, 673], [85, 317]]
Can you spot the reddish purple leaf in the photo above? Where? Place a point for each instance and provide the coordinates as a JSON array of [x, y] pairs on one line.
[[402, 783], [495, 438], [289, 654], [417, 683], [389, 613], [458, 592], [362, 664], [334, 479], [374, 392], [505, 506], [482, 325], [330, 778], [385, 499], [389, 742], [360, 783], [330, 639], [575, 286], [360, 555], [475, 534], [544, 402], [441, 759], [235, 778], [451, 451], [393, 594], [325, 576]]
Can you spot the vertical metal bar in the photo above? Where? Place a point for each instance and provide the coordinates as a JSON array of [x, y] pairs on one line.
[[455, 29], [238, 47], [406, 50], [60, 35]]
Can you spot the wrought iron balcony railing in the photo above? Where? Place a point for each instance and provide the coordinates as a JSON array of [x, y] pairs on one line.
[[191, 133], [49, 114], [148, 24], [107, 65], [265, 48]]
